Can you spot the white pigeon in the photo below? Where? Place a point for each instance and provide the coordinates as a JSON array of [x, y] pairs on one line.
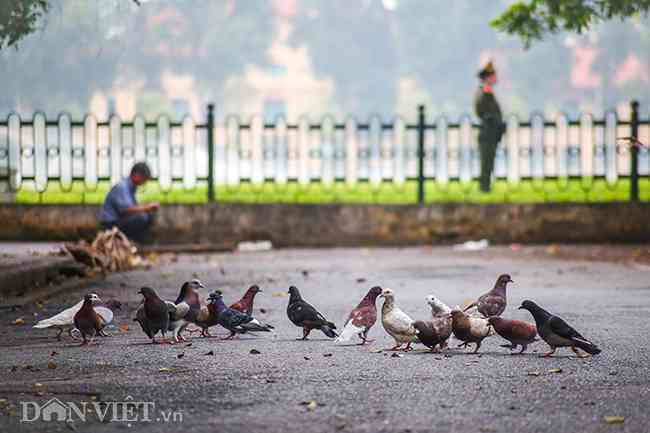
[[438, 308], [65, 319], [396, 322]]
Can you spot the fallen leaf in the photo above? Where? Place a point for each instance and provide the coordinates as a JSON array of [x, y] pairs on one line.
[[19, 321], [51, 365], [210, 353], [263, 310], [555, 370], [38, 384], [180, 355], [188, 345], [54, 353], [124, 327], [307, 358], [255, 352], [312, 405], [361, 280], [375, 350], [327, 355], [533, 373], [613, 419], [279, 293], [396, 355], [164, 370], [552, 249]]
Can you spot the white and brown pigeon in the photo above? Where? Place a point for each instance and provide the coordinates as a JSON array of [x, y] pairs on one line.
[[494, 302], [396, 322], [470, 329], [435, 332], [361, 319], [87, 320], [64, 321], [557, 333]]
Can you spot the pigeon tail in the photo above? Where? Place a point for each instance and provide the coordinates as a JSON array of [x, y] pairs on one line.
[[328, 331], [587, 346], [255, 327], [349, 331]]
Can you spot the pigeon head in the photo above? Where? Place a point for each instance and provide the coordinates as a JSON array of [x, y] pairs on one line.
[[147, 292], [92, 298], [529, 305], [436, 304], [294, 294], [254, 289], [387, 294], [503, 280], [375, 291], [217, 294]]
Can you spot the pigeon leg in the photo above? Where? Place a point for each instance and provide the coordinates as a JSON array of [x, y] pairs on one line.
[[434, 349], [395, 348], [523, 349], [408, 347], [365, 339], [478, 346], [58, 336], [548, 354], [463, 344], [444, 345], [577, 352], [204, 333], [305, 333], [231, 336]]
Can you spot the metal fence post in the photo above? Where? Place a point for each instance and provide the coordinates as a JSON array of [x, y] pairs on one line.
[[634, 160], [421, 124], [210, 135]]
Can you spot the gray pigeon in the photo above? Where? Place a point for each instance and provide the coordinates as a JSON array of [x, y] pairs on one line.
[[234, 321], [155, 314], [557, 333], [493, 303]]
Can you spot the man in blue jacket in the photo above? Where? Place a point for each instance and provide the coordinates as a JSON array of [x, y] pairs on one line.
[[121, 209]]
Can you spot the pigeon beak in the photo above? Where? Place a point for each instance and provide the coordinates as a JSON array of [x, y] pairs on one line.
[[511, 280], [521, 307]]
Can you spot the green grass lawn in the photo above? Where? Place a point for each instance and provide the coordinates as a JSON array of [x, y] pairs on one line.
[[535, 191]]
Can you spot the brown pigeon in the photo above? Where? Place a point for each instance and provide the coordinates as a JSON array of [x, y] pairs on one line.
[[434, 332], [87, 321], [493, 303], [469, 329], [361, 319], [245, 304], [516, 332]]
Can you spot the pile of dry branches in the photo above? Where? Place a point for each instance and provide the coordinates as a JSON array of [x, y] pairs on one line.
[[111, 251]]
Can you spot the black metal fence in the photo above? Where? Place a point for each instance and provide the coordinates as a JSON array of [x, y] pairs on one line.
[[40, 152]]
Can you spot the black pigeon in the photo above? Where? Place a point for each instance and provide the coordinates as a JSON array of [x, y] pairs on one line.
[[557, 333], [155, 314], [307, 317], [493, 303], [234, 321]]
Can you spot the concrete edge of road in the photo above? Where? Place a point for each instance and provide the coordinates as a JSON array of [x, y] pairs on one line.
[[24, 280]]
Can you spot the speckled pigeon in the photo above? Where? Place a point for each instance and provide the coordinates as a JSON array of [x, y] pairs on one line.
[[516, 332], [234, 321], [469, 329], [302, 314], [361, 319], [557, 333], [493, 303]]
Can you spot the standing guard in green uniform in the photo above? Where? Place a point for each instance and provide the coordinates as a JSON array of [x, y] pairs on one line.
[[492, 127]]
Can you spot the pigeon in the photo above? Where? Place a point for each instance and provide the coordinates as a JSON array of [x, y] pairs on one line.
[[155, 314], [516, 332], [307, 317], [396, 322], [434, 332], [361, 319], [245, 304], [438, 308], [87, 321], [187, 308], [64, 321], [470, 329], [493, 303], [234, 321], [206, 318], [557, 333]]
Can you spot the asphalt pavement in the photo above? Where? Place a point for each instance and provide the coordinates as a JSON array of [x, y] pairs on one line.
[[209, 385]]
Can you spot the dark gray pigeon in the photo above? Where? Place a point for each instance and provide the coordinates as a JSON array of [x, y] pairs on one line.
[[155, 314], [234, 321], [493, 303], [307, 317], [557, 333]]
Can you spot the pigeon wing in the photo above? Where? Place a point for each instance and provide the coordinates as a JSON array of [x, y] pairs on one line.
[[561, 328], [64, 318], [105, 313]]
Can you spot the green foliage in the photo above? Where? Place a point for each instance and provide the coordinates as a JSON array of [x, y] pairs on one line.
[[18, 18], [532, 20]]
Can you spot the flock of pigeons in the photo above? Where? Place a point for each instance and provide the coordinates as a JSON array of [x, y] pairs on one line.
[[157, 316]]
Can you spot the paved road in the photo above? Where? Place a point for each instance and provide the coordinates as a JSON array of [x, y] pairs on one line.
[[356, 390]]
